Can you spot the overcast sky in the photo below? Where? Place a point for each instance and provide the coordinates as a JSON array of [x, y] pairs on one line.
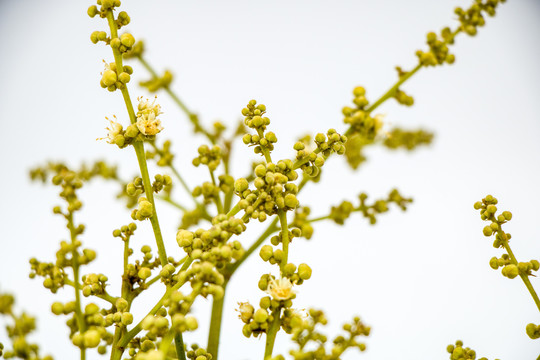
[[421, 279]]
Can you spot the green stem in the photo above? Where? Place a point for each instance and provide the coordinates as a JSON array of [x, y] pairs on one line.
[[234, 210], [284, 238], [139, 148], [215, 324], [217, 200], [179, 345], [271, 334], [81, 323], [320, 218]]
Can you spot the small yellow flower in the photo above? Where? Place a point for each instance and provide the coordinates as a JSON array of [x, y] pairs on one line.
[[246, 311], [280, 289], [147, 121], [114, 129]]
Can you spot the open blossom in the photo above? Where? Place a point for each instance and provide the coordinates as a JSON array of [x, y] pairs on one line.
[[114, 129], [147, 117], [280, 289]]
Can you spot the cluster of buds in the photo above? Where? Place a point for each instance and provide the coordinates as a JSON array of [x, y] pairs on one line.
[[403, 139], [198, 353], [144, 210], [94, 284], [472, 18], [403, 98], [164, 154], [254, 119], [213, 245], [360, 119], [105, 7], [312, 161], [112, 79], [273, 190], [210, 157], [155, 83], [438, 53]]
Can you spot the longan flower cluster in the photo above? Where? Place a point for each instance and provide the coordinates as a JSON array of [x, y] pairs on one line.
[[120, 137], [105, 7], [381, 206], [438, 53], [198, 353], [254, 119], [94, 284], [257, 322], [147, 113], [164, 154], [472, 18], [157, 83], [95, 333], [144, 210], [511, 268], [403, 98], [210, 157], [111, 78], [399, 138], [359, 118], [211, 245], [273, 190], [311, 162], [311, 343], [22, 326], [458, 352], [344, 210]]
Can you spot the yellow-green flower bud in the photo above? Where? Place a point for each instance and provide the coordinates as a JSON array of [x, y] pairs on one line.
[[304, 271], [124, 77], [132, 131], [533, 331], [92, 11], [266, 252], [291, 201], [127, 40], [109, 77], [246, 311], [57, 308], [494, 263], [260, 170], [121, 304], [191, 323], [144, 273], [145, 209], [184, 238], [289, 269], [241, 185], [507, 215], [91, 339], [260, 315], [126, 319], [91, 309], [488, 231], [510, 271]]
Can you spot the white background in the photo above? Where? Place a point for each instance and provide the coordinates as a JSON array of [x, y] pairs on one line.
[[421, 279]]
